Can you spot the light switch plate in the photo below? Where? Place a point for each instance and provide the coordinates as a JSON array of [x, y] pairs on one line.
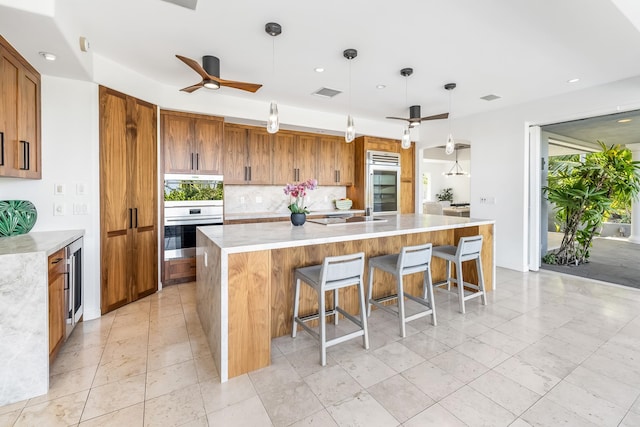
[[59, 209], [58, 189], [81, 189]]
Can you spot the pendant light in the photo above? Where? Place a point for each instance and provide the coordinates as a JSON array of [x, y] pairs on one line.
[[350, 133], [405, 142], [406, 139], [456, 169], [450, 145], [273, 123]]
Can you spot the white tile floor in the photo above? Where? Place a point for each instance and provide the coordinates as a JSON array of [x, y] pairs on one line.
[[548, 350]]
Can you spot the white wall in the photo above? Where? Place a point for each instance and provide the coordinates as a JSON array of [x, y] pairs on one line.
[[69, 157], [499, 156]]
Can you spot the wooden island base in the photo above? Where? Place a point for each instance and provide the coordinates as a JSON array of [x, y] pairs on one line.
[[258, 288]]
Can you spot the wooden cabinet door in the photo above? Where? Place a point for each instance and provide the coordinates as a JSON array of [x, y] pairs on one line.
[[177, 138], [144, 185], [57, 280], [407, 180], [344, 163], [284, 170], [259, 147], [325, 164], [208, 145], [305, 157], [28, 127], [115, 214], [9, 71], [235, 154]]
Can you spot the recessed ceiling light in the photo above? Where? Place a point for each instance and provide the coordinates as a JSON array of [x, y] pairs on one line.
[[573, 80], [319, 70], [624, 120], [380, 86], [48, 56]]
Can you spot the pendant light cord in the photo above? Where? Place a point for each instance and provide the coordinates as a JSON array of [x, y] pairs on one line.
[[350, 86]]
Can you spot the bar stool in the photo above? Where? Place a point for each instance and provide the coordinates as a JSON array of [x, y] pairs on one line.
[[411, 259], [335, 272], [468, 249]]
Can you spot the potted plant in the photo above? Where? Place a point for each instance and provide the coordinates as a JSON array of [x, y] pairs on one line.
[[584, 193], [445, 196], [297, 192]]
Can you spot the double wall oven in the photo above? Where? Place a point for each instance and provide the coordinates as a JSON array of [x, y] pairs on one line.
[[190, 201]]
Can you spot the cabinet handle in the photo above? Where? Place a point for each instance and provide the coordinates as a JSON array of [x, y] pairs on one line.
[[1, 148], [197, 161], [57, 260], [339, 176], [130, 218], [245, 173], [249, 173], [25, 154], [136, 209]]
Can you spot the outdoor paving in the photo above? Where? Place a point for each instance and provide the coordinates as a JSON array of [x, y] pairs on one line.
[[612, 260]]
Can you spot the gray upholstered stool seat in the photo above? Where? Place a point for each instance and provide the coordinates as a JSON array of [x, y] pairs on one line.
[[335, 273], [410, 260], [468, 249]]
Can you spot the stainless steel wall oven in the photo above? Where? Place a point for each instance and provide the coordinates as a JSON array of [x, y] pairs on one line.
[[190, 201]]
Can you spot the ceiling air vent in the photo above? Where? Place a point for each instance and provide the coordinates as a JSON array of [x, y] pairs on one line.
[[189, 4], [325, 92], [490, 97]]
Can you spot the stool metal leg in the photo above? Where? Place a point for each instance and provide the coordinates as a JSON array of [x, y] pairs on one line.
[[460, 283], [335, 307], [481, 281], [448, 275], [370, 291], [296, 307], [363, 316], [400, 287], [428, 293], [323, 327]]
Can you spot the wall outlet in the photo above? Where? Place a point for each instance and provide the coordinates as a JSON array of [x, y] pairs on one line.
[[59, 209]]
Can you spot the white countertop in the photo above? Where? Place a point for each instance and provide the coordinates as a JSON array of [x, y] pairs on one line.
[[259, 215], [275, 235], [39, 241]]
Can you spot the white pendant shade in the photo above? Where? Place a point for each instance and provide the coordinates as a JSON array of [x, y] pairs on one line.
[[406, 139], [350, 133], [450, 145], [273, 124]]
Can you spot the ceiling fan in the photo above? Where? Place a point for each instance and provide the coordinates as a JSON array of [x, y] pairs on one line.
[[414, 111], [210, 73]]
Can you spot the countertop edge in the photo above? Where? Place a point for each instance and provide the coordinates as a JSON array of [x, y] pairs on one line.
[[48, 242]]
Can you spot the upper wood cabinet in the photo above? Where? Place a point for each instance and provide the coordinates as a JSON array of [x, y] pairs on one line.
[[20, 144], [247, 155], [335, 161], [294, 157], [128, 199], [192, 143]]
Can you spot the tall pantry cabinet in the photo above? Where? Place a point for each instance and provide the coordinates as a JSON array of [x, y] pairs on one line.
[[128, 199]]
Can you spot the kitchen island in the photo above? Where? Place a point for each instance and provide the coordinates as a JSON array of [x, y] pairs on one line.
[[245, 274]]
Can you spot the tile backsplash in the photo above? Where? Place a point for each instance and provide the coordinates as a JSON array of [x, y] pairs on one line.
[[271, 198]]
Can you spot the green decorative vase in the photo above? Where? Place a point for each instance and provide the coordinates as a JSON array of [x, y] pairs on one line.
[[16, 217]]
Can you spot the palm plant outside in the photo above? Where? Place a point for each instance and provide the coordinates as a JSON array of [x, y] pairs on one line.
[[587, 192]]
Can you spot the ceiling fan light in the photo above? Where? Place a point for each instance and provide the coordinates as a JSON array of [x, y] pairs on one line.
[[414, 124], [350, 133], [406, 139], [273, 124], [450, 145], [211, 84]]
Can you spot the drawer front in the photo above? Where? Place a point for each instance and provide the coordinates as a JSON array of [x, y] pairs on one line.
[[56, 264]]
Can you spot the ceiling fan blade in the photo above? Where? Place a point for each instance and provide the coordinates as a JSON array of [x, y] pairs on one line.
[[195, 66], [398, 118], [436, 117], [190, 89], [249, 87]]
